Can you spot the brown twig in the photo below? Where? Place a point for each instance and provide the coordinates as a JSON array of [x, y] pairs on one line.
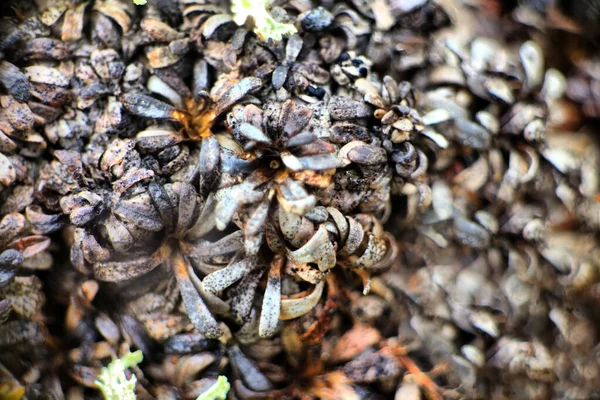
[[319, 328], [423, 380]]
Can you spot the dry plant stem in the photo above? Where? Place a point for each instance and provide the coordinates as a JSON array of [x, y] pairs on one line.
[[429, 387], [319, 328]]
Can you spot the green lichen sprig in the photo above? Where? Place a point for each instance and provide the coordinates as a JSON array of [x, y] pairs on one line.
[[265, 25], [113, 382], [218, 391]]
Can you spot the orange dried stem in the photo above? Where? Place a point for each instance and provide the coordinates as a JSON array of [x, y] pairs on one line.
[[438, 370], [366, 280], [422, 379], [197, 120], [429, 386], [180, 266], [319, 328], [182, 117], [202, 123], [281, 175]]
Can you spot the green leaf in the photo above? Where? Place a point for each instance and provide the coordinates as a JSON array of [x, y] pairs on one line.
[[139, 2]]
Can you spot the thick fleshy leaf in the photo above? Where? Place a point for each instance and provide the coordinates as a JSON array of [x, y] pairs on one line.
[[20, 332], [9, 262], [153, 139], [206, 221], [271, 305], [318, 249], [162, 203], [222, 279], [25, 295], [294, 198], [140, 214], [226, 245], [253, 133], [289, 223], [209, 154], [5, 309], [115, 271], [146, 106], [355, 238], [374, 252], [118, 234], [341, 223], [294, 308], [187, 206], [243, 295], [249, 373], [212, 301], [319, 162], [236, 92], [196, 309]]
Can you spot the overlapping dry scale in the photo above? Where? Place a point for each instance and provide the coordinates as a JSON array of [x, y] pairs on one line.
[[391, 202]]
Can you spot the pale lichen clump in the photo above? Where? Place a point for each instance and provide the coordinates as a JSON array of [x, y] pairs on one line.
[[113, 382], [265, 26], [218, 391]]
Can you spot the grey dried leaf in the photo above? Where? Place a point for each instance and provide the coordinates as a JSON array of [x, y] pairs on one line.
[[236, 93], [42, 223], [116, 271], [186, 343], [243, 295], [25, 295], [8, 174], [318, 249], [9, 262], [43, 48], [146, 106], [247, 371], [46, 75], [295, 308], [370, 367], [341, 108], [367, 155], [222, 279], [5, 309], [18, 115], [159, 30], [14, 81], [197, 311], [21, 332], [271, 305], [472, 135], [140, 212], [471, 234]]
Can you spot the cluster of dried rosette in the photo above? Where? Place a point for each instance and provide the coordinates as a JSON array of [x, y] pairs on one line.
[[299, 215]]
